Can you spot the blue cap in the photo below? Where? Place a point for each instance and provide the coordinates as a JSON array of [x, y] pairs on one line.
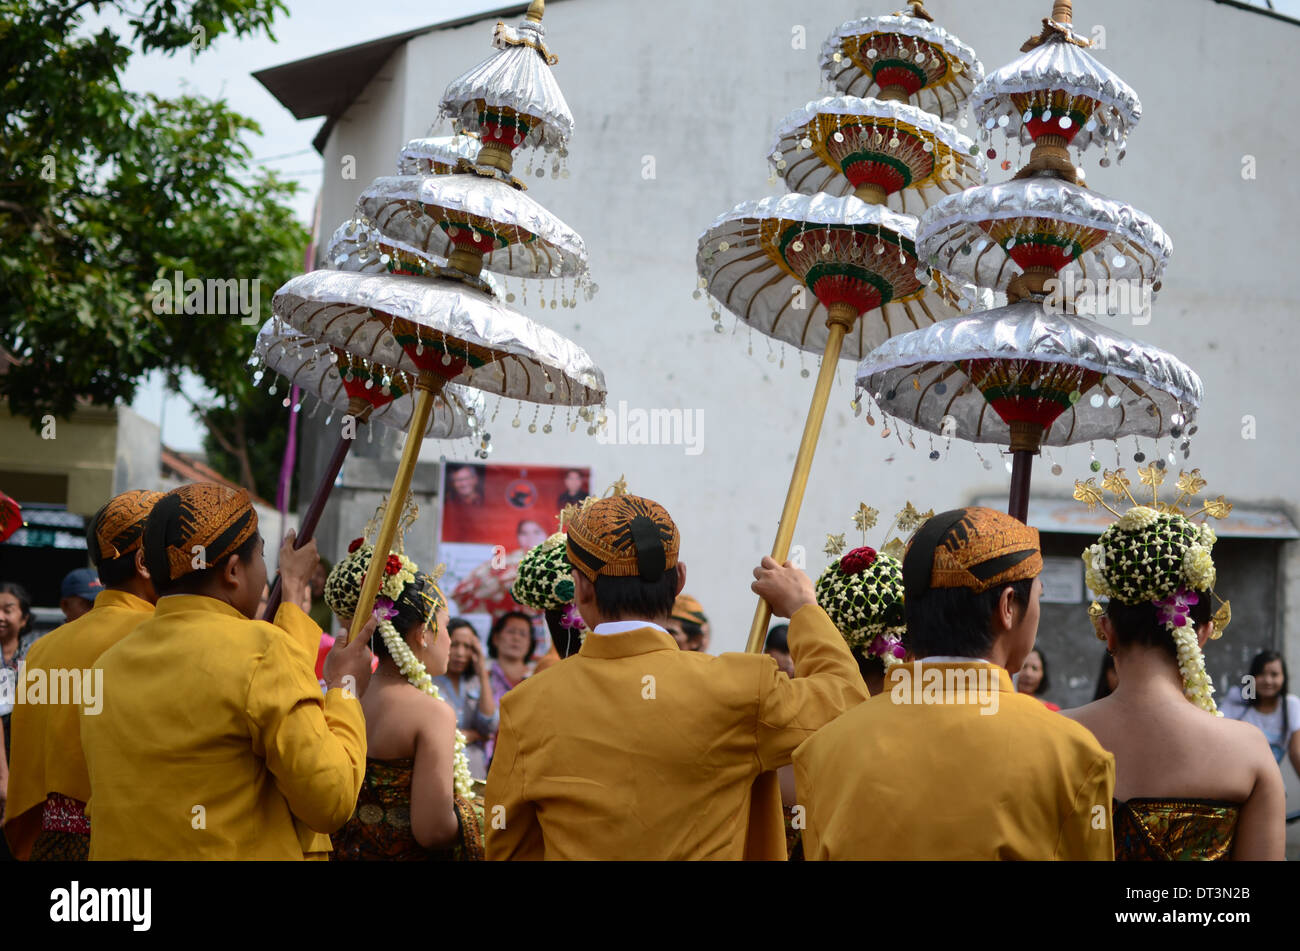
[[82, 583]]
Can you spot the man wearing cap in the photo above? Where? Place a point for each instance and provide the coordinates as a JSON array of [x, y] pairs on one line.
[[634, 749], [78, 592], [48, 785], [949, 762], [214, 741], [688, 625]]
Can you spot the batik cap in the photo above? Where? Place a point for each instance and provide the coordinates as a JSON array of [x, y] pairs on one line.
[[194, 527], [974, 548], [686, 608], [622, 537], [117, 528]]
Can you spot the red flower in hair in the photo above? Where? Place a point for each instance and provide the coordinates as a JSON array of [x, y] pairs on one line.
[[393, 565], [857, 561], [356, 543]]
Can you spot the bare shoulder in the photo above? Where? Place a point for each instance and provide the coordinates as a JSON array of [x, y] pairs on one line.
[[1087, 715]]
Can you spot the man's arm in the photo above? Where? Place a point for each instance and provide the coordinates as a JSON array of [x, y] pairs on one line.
[[512, 829], [1086, 833], [315, 749], [827, 685]]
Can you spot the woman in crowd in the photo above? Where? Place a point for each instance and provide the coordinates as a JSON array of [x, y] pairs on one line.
[[16, 637], [1188, 784], [510, 645], [414, 802], [468, 689], [1269, 706], [1033, 680]]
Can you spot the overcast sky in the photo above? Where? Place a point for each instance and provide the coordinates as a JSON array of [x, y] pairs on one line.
[[225, 70]]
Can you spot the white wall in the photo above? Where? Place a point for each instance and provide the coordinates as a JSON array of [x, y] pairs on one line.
[[700, 86]]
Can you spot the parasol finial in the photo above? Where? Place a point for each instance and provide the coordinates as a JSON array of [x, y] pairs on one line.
[[918, 11], [1062, 11], [538, 7]]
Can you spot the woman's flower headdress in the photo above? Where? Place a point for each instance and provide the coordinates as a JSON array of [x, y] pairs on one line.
[[1154, 552], [343, 589], [862, 591]]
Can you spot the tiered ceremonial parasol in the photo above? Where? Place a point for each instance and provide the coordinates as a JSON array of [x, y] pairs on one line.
[[834, 271], [425, 315], [1030, 374]]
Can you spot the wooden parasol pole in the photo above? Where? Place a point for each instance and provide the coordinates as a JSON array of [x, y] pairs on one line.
[[360, 410], [840, 320], [427, 386]]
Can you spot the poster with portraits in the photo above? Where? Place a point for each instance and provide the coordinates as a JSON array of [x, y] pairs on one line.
[[492, 515]]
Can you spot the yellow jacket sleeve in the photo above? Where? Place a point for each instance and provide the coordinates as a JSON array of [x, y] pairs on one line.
[[828, 684], [299, 626], [513, 832], [315, 749], [812, 840], [1086, 834]]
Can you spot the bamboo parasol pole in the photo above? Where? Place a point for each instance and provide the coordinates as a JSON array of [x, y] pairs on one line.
[[840, 321], [427, 386]]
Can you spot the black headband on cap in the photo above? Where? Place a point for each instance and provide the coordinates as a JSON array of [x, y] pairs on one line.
[[918, 562]]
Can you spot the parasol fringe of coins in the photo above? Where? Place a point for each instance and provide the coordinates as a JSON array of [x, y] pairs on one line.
[[1036, 372], [832, 267], [408, 323]]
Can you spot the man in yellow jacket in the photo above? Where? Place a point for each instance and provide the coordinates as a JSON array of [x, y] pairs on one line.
[[48, 785], [949, 762], [634, 749], [214, 741]]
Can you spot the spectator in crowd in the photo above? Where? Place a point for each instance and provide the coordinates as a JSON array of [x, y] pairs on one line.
[[1107, 679], [1269, 706], [468, 688], [777, 647], [16, 638], [1033, 680], [78, 592], [510, 645], [688, 612]]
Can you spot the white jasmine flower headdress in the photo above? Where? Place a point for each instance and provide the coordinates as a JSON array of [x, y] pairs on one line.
[[1155, 553]]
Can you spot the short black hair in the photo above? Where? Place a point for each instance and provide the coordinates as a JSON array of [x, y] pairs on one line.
[[1042, 660], [1140, 624], [956, 622], [24, 602], [869, 665], [499, 625], [456, 623], [196, 581], [633, 598], [777, 638]]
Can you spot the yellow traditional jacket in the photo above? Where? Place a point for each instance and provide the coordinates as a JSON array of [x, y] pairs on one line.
[[46, 755], [214, 741], [633, 749], [952, 763]]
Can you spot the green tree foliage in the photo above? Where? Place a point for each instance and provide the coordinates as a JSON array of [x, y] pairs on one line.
[[106, 192]]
